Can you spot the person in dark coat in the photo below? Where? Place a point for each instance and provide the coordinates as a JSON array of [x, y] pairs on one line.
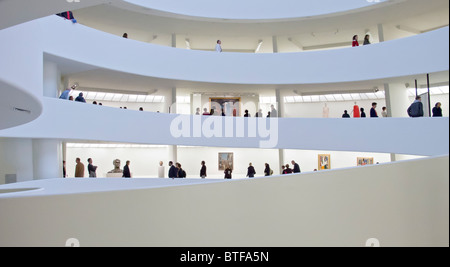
[[288, 170], [373, 110], [126, 170], [437, 110], [228, 172], [181, 172], [296, 167], [267, 170], [80, 98], [363, 114], [346, 115], [173, 171], [416, 108], [203, 174], [251, 171]]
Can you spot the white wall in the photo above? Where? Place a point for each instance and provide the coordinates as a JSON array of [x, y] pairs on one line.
[[16, 157]]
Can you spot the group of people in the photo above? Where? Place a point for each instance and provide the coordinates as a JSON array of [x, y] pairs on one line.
[[416, 109], [176, 170], [273, 113], [356, 42], [360, 112]]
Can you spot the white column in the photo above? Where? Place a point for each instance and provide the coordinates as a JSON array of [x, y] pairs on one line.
[[47, 159], [52, 79], [275, 44], [380, 33]]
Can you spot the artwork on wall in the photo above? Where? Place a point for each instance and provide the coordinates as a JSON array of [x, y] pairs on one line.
[[324, 162], [226, 159], [230, 105], [365, 161]]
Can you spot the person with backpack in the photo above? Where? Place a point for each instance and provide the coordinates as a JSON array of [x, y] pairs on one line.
[[416, 108]]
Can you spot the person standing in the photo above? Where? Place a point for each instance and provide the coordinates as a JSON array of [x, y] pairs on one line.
[[161, 170], [125, 35], [251, 171], [437, 110], [355, 41], [197, 111], [246, 115], [79, 169], [283, 169], [373, 111], [259, 114], [80, 98], [367, 40], [274, 112], [205, 112], [288, 169], [416, 108], [173, 172], [92, 170], [296, 167], [219, 46], [64, 169], [66, 94], [346, 115], [181, 172], [126, 170], [384, 113], [203, 174], [228, 172], [363, 114], [267, 170]]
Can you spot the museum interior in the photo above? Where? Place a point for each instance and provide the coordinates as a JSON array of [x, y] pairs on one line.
[[261, 83]]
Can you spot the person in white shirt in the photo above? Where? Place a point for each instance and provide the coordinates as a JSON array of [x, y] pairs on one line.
[[219, 46], [161, 170]]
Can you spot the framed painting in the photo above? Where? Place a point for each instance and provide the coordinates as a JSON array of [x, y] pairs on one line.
[[324, 162], [231, 106], [226, 160], [364, 161]]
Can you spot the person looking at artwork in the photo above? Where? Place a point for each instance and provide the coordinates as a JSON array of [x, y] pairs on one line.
[[268, 114], [173, 172], [283, 169], [203, 174], [92, 170], [437, 110], [246, 115], [373, 110], [223, 113], [181, 172], [161, 170], [267, 170], [197, 111], [228, 172], [355, 41], [296, 167], [416, 108], [205, 112], [79, 169], [212, 112], [80, 98], [126, 170], [363, 114], [251, 171], [346, 115]]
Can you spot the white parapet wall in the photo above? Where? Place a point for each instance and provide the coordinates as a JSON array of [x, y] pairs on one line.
[[399, 204]]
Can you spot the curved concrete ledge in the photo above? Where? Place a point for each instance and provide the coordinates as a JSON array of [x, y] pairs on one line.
[[389, 135]]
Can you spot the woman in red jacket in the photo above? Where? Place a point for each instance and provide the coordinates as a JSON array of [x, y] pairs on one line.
[[355, 41]]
